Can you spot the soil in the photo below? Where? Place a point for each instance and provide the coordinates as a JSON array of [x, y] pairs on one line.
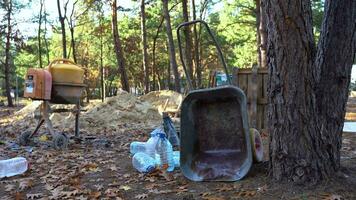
[[99, 167]]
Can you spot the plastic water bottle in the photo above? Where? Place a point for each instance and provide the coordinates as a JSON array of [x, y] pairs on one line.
[[152, 142], [147, 147], [136, 147], [176, 157], [143, 162], [13, 166], [170, 130], [165, 153]]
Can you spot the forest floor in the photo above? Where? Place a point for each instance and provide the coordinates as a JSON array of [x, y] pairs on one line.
[[101, 168]]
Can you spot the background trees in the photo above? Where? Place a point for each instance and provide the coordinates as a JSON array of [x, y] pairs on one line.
[[90, 33]]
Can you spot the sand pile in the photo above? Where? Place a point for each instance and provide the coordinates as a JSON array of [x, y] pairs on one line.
[[122, 110], [164, 100]]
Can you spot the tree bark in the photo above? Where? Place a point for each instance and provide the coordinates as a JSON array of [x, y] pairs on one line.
[[39, 35], [188, 43], [102, 70], [172, 53], [196, 48], [307, 87], [45, 35], [63, 28], [7, 55], [262, 48], [144, 47], [118, 49]]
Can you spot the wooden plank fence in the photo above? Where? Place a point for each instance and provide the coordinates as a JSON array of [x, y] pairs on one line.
[[253, 81]]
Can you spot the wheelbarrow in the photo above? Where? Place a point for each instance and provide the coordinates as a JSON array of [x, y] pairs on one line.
[[60, 83], [215, 139]]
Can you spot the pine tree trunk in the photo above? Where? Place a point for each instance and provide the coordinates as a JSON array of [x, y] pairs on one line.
[[144, 47], [63, 28], [196, 48], [188, 43], [39, 35], [7, 56], [172, 53], [45, 36], [307, 87], [118, 49], [72, 43]]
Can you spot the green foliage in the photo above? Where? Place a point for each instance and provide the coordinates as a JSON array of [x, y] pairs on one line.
[[232, 21]]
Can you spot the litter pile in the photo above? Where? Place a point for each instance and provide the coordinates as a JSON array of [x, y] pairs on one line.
[[123, 109]]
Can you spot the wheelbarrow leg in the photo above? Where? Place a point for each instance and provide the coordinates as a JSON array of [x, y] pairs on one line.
[[40, 122]]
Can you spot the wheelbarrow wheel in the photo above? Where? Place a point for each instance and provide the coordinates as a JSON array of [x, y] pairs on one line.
[[60, 141], [256, 144], [24, 138]]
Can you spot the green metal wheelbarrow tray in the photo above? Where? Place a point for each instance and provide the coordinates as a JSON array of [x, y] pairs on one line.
[[215, 138]]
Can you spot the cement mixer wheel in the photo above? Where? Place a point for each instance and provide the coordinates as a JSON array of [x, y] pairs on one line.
[[256, 145], [24, 138], [60, 141]]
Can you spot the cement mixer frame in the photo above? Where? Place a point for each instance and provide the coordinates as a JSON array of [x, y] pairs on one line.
[[61, 93]]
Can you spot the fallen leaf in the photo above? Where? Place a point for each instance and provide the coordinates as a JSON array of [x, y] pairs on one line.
[[225, 188], [25, 184], [113, 168], [141, 196], [327, 196], [246, 193], [34, 196], [262, 189], [99, 187], [9, 187], [166, 175], [125, 187], [19, 196], [69, 194], [95, 194], [81, 197], [43, 138], [110, 192]]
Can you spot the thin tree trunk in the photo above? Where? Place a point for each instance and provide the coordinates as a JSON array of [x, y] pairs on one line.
[[172, 53], [7, 56], [39, 35], [72, 42], [188, 43], [144, 47], [102, 72], [118, 49], [196, 48], [63, 28], [307, 87], [45, 35], [262, 49]]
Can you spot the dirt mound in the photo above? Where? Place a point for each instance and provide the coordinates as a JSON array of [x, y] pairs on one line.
[[163, 99]]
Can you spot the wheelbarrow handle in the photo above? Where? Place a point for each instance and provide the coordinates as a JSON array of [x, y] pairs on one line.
[[222, 59], [63, 60]]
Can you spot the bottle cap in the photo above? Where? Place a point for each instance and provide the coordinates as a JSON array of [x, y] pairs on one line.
[[162, 135], [150, 169]]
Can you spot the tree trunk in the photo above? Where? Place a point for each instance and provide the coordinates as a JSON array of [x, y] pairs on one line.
[[196, 48], [45, 36], [118, 49], [102, 72], [262, 45], [72, 43], [188, 43], [307, 87], [172, 53], [39, 35], [7, 56], [63, 28], [144, 47]]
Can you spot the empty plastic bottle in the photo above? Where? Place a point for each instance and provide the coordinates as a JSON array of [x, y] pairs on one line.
[[165, 153], [170, 130], [147, 147], [136, 147], [152, 142], [176, 157], [13, 166], [143, 162]]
